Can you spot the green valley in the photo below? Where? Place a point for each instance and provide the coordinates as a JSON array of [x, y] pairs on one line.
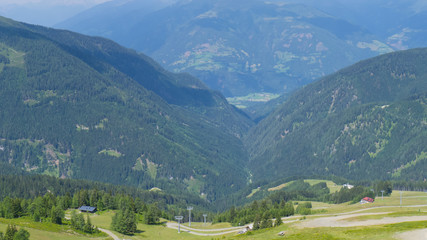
[[99, 141]]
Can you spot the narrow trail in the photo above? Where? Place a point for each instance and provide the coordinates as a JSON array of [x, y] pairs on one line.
[[207, 230], [340, 221], [410, 235], [199, 232], [109, 233]]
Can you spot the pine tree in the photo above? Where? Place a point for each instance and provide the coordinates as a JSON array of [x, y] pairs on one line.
[[278, 221], [22, 234], [10, 232], [257, 221], [88, 228], [266, 221], [124, 221], [36, 216], [77, 221], [232, 214], [56, 215]]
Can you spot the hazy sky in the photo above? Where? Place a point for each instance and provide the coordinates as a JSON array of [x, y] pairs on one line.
[[52, 2], [44, 12]]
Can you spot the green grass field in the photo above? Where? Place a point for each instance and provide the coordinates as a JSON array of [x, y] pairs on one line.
[[331, 185], [49, 232], [379, 232]]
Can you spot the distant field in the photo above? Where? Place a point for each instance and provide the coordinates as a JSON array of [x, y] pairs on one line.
[[331, 185], [249, 100], [355, 233], [253, 192]]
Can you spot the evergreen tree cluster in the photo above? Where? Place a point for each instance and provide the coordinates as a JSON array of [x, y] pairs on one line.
[[50, 208], [260, 213], [78, 223], [124, 221], [83, 192], [12, 233], [354, 195]]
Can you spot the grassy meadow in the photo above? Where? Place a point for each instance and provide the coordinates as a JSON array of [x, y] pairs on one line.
[[411, 206]]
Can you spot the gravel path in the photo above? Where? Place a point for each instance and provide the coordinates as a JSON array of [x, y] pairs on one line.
[[325, 220], [416, 234], [339, 221], [109, 233], [199, 232]]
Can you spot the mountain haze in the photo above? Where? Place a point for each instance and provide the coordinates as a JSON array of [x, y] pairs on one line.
[[80, 107], [237, 47], [398, 23]]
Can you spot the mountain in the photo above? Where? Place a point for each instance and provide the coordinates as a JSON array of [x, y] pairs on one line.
[[75, 106], [397, 23], [237, 47], [115, 18], [44, 12], [367, 121]]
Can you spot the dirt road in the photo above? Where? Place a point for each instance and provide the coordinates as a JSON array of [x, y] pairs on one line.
[[109, 233], [339, 221], [203, 232], [420, 234], [324, 220]]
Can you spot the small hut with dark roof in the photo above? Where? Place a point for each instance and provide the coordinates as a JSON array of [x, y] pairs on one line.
[[88, 209]]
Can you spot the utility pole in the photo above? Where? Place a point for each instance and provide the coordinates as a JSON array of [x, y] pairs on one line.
[[401, 198], [179, 218], [382, 195], [189, 215], [204, 216]]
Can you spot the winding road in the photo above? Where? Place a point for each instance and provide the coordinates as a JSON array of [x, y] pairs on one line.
[[326, 220], [202, 232]]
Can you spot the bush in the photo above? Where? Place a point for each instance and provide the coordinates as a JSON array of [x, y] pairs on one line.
[[303, 210]]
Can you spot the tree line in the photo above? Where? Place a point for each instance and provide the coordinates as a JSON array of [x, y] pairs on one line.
[[51, 208]]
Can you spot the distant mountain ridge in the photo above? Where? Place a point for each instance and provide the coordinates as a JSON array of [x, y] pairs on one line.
[[238, 47], [367, 121], [81, 107], [400, 24]]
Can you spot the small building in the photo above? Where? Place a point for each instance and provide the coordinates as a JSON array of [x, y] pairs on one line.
[[88, 209], [366, 200], [347, 185]]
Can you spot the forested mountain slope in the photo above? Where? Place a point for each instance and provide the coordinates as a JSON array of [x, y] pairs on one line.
[[237, 47], [367, 121], [78, 107]]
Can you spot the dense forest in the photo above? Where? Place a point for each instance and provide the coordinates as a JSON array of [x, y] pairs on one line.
[[367, 121], [72, 104]]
